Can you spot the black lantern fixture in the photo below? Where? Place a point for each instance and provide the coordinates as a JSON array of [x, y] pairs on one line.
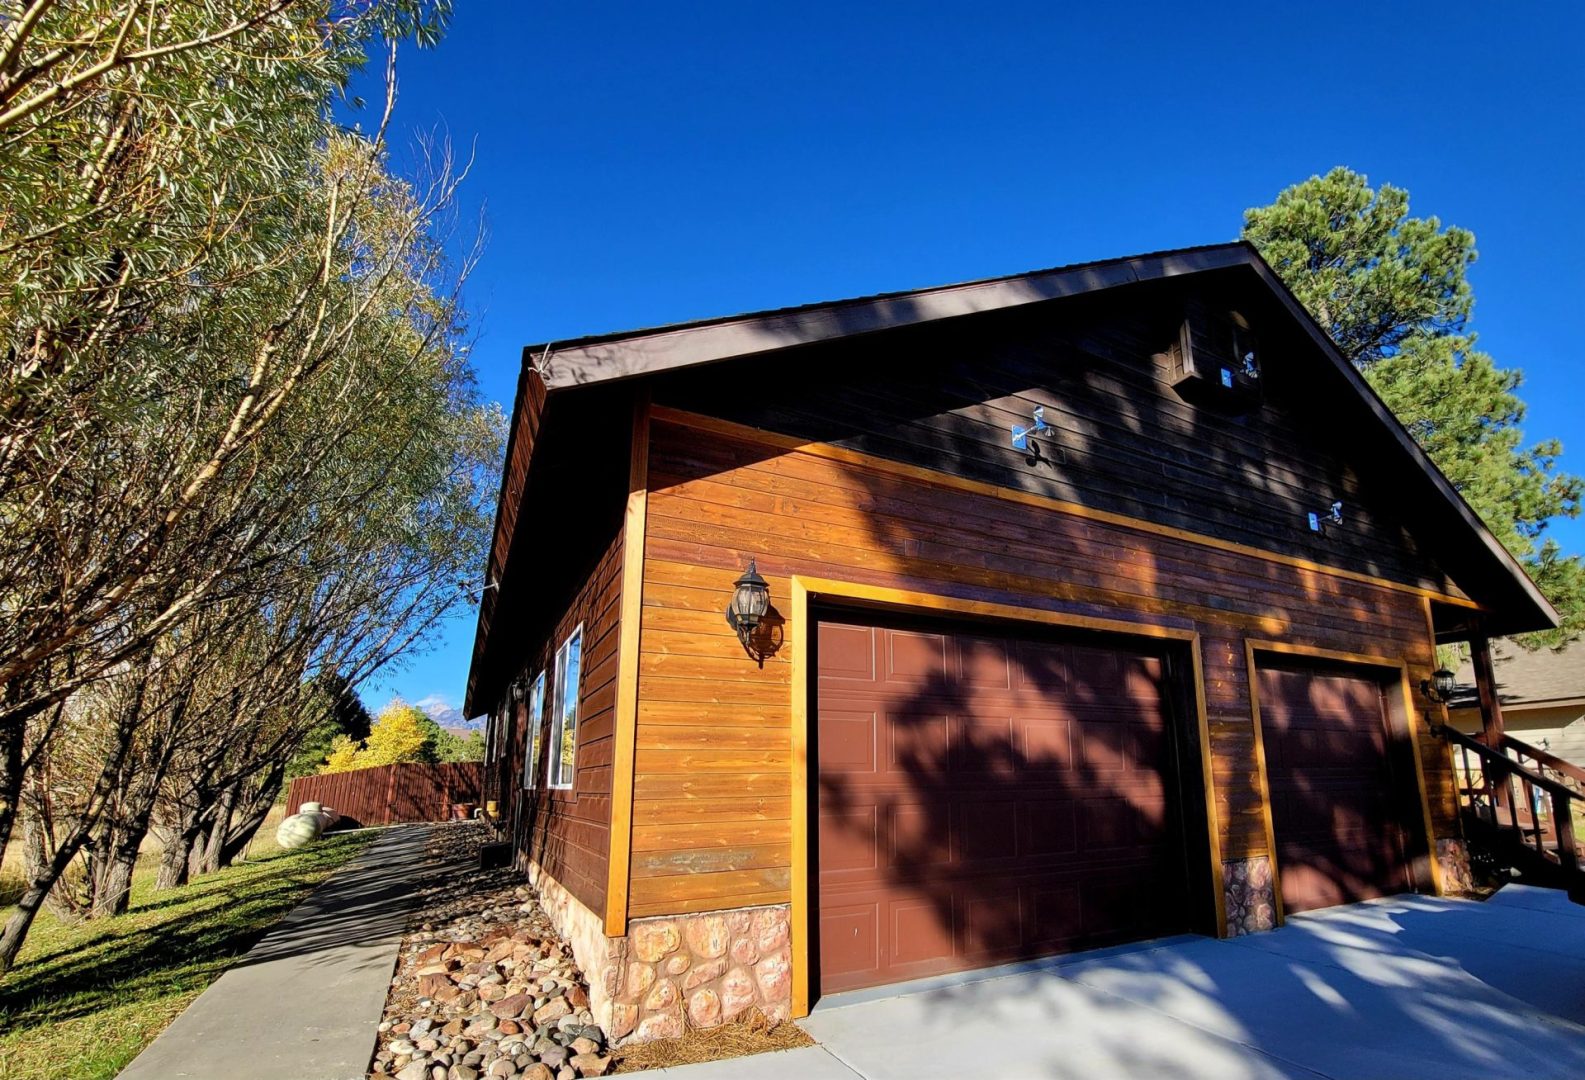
[[1439, 687], [750, 601]]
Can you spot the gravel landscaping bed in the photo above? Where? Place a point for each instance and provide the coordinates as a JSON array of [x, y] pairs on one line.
[[486, 990], [484, 987]]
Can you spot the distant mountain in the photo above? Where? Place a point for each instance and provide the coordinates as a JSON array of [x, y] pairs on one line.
[[447, 715]]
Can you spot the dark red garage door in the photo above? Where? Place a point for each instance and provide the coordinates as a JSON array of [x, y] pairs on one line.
[[1334, 804], [985, 798]]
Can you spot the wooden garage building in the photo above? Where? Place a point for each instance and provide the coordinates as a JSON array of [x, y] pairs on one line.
[[1099, 603]]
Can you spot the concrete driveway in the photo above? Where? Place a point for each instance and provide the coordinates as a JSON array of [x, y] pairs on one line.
[[1395, 989]]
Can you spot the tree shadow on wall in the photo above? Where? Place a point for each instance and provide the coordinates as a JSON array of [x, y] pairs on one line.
[[961, 797]]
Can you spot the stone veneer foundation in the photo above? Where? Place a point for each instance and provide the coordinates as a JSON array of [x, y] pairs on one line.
[[596, 954], [1453, 857], [1251, 901], [674, 972], [703, 970]]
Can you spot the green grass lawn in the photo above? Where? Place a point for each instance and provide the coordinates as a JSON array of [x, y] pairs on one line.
[[84, 999]]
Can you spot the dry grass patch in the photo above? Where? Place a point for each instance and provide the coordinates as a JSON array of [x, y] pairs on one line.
[[751, 1033]]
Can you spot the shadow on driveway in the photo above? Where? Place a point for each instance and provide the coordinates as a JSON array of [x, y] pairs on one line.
[[1396, 989]]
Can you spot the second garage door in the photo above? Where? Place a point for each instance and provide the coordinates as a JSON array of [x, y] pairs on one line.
[[984, 798], [1337, 819]]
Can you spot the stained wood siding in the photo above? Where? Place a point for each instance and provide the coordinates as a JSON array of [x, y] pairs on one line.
[[946, 395], [568, 832], [711, 824]]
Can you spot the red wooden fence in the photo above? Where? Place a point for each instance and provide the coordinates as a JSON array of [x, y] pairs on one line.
[[388, 794]]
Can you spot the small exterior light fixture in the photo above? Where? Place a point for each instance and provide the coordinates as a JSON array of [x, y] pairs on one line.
[[750, 601], [1439, 687], [1321, 520]]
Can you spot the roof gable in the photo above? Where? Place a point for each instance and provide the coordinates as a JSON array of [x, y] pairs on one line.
[[571, 369]]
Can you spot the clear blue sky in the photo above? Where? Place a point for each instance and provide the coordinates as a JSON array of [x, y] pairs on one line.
[[639, 164]]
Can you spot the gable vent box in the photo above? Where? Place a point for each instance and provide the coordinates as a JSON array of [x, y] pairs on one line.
[[1215, 360]]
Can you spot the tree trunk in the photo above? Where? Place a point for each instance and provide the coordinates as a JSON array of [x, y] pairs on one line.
[[178, 850], [44, 878], [125, 831], [39, 887], [11, 740], [113, 883], [14, 765], [259, 807], [219, 829], [35, 859]]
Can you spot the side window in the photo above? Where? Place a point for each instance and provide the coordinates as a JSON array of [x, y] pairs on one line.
[[564, 711], [536, 720]]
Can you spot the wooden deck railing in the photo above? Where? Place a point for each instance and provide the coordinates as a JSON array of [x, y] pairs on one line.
[[1524, 810], [1548, 764]]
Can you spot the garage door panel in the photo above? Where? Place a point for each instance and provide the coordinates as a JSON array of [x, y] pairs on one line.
[[923, 930], [917, 742], [1055, 918], [847, 739], [985, 663], [984, 831], [1340, 837], [993, 926], [847, 653], [1018, 798], [1044, 744], [848, 839], [982, 746], [850, 940], [918, 836], [913, 658], [1047, 827], [1040, 666]]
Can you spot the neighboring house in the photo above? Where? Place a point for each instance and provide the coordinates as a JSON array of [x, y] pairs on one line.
[[1542, 694], [1151, 667]]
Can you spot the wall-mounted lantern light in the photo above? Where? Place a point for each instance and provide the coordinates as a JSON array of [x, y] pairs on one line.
[[750, 601], [1439, 687]]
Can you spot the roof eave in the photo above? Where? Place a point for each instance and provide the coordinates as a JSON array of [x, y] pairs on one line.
[[1547, 614], [629, 356]]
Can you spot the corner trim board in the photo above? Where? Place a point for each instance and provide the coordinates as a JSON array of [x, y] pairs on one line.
[[625, 732]]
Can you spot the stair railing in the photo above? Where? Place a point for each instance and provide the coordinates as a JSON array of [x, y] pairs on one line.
[[1540, 813], [1562, 770]]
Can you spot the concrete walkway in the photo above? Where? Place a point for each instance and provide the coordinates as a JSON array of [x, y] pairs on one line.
[[1407, 988], [305, 1002]]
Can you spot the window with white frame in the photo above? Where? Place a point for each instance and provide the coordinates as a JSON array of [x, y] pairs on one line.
[[564, 711], [536, 721]]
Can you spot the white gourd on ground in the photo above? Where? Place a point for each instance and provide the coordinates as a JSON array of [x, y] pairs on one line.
[[305, 826]]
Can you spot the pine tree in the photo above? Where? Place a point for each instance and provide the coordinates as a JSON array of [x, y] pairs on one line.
[[1393, 292]]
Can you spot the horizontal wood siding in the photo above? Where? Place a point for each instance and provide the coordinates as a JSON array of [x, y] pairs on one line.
[[568, 832], [711, 824], [947, 395]]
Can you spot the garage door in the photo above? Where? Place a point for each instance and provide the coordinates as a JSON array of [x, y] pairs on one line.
[[986, 798], [1334, 805]]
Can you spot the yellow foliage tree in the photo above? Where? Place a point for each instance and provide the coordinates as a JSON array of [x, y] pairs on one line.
[[401, 733], [343, 755]]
